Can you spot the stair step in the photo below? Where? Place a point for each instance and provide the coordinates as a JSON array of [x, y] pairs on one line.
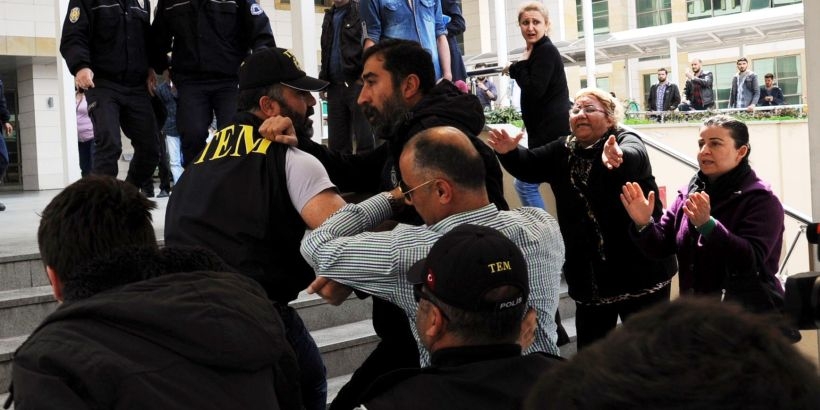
[[21, 310], [334, 384], [3, 397], [21, 271], [568, 350], [345, 347], [316, 314], [7, 348]]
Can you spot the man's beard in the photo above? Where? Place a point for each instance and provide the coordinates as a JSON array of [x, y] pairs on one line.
[[392, 116], [302, 124]]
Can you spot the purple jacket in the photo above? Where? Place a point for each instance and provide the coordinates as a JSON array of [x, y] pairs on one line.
[[748, 237]]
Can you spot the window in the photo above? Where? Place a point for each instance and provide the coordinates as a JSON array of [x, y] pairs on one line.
[[648, 80], [722, 75], [786, 75], [699, 9], [320, 4], [651, 13], [601, 82], [600, 17]]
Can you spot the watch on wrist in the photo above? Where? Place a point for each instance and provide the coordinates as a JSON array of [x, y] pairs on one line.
[[392, 200]]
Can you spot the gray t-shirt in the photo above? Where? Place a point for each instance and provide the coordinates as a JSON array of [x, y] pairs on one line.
[[306, 177]]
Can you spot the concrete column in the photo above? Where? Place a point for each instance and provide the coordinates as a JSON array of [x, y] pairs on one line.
[[486, 36], [65, 104], [589, 42], [501, 47], [673, 60], [46, 147], [305, 45], [812, 8]]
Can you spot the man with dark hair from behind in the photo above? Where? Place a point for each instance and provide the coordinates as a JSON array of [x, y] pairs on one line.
[[143, 327], [689, 354], [472, 291]]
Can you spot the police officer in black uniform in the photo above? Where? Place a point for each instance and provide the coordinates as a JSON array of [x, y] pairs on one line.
[[472, 292], [208, 41], [105, 44], [250, 200]]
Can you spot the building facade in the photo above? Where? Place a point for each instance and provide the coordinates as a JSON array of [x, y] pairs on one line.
[[632, 39]]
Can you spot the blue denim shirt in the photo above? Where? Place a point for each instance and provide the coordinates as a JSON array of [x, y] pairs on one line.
[[395, 19]]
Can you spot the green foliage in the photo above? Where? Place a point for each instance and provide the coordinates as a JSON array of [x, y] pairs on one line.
[[784, 114], [505, 115]]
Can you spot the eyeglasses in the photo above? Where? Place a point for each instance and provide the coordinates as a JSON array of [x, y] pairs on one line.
[[406, 190], [420, 294], [586, 109]]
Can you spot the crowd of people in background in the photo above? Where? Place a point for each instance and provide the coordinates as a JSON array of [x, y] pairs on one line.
[[406, 205]]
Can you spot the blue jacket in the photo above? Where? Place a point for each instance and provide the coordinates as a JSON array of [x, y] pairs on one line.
[[750, 92], [395, 19]]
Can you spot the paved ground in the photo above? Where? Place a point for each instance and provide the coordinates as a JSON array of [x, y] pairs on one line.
[[19, 222]]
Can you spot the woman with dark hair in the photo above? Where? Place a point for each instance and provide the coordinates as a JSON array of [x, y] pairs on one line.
[[608, 276], [725, 222]]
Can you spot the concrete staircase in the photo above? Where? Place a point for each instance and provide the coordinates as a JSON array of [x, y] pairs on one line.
[[344, 333]]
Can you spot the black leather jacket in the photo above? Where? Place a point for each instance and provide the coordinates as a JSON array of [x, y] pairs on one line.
[[350, 42]]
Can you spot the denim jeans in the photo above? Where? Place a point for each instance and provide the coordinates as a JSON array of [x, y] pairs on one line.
[[174, 156], [529, 194], [4, 156], [312, 376], [423, 23]]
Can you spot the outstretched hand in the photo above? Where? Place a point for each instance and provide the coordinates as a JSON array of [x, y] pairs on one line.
[[501, 141], [613, 155], [279, 129], [637, 206]]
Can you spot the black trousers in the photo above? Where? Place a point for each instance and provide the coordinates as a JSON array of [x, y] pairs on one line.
[[594, 322], [396, 350], [113, 107], [164, 169], [197, 104], [346, 121]]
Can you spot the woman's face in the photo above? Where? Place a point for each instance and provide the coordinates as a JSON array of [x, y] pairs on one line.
[[718, 154], [532, 26], [589, 120]]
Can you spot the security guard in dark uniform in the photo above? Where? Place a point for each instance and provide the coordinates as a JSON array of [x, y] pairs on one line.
[[250, 200], [105, 44], [472, 292], [208, 41]]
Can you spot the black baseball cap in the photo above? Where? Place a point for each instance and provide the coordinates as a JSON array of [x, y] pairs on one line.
[[469, 261], [276, 65]]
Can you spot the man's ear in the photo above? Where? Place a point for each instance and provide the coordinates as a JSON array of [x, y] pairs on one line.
[[434, 326], [444, 191], [410, 86], [56, 283], [269, 106]]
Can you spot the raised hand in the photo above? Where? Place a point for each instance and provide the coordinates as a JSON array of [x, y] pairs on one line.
[[613, 155], [697, 208], [637, 206], [501, 141]]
